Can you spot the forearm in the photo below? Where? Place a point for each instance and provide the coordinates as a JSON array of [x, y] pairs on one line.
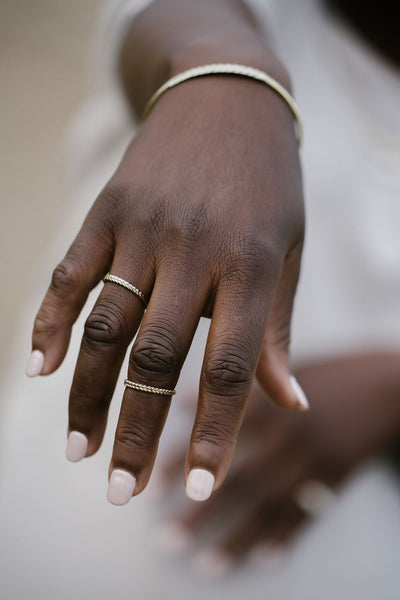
[[173, 35]]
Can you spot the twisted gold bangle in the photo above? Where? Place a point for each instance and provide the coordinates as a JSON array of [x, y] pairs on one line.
[[229, 69]]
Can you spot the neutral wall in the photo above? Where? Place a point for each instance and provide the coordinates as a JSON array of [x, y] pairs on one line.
[[42, 49]]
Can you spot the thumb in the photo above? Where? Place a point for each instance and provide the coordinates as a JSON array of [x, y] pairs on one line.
[[273, 371]]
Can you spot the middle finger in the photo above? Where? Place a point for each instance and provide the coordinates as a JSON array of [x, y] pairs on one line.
[[156, 359]]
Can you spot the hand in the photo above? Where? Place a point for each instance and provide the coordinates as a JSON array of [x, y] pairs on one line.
[[281, 459], [205, 216]]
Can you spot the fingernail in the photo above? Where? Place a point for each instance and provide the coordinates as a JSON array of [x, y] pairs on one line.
[[199, 484], [77, 446], [212, 564], [35, 364], [171, 538], [121, 487], [301, 397]]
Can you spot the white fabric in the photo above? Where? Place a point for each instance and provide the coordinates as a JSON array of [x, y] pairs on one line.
[[60, 538]]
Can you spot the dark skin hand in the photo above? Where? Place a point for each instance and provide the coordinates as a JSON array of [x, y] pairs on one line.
[[356, 414], [205, 216]]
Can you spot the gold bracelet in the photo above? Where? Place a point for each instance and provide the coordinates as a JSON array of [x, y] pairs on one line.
[[229, 69]]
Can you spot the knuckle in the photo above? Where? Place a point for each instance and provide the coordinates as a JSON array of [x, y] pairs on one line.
[[217, 434], [126, 206], [228, 372], [112, 205], [66, 277], [253, 257], [156, 353], [135, 435], [45, 323], [114, 195], [188, 228], [260, 254], [104, 327]]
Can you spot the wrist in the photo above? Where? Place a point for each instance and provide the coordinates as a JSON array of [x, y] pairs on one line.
[[200, 54], [154, 51]]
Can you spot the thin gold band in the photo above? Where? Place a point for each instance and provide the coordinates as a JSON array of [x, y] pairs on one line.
[[129, 286], [141, 387], [229, 69]]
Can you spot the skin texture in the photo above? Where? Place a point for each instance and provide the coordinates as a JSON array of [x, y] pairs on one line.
[[356, 414], [205, 216]]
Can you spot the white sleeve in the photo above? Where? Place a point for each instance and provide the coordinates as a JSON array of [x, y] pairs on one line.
[[113, 22]]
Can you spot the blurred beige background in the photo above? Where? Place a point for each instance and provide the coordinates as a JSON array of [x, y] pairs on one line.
[[42, 61]]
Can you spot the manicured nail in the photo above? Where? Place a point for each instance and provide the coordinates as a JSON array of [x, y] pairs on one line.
[[35, 364], [199, 484], [301, 397], [212, 564], [171, 538], [121, 487], [77, 446]]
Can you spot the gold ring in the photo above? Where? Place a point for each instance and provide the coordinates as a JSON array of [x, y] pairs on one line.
[[141, 387], [128, 286]]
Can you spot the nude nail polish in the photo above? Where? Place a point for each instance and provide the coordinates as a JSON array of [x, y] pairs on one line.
[[199, 485], [121, 487], [35, 364], [301, 397], [77, 446]]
